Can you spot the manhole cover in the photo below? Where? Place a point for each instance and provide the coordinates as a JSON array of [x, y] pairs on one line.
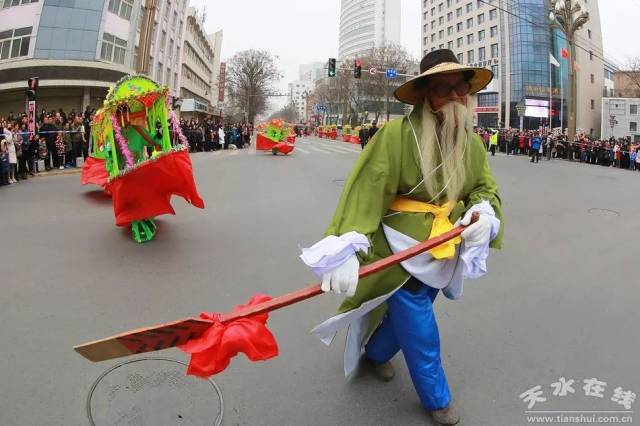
[[153, 392], [604, 212]]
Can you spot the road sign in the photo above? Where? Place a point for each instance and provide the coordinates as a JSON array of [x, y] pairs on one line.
[[392, 73], [373, 70]]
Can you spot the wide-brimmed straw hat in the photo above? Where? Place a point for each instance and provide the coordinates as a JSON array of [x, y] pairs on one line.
[[441, 61]]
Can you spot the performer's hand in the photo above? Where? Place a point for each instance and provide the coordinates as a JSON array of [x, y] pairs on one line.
[[478, 233], [343, 279]]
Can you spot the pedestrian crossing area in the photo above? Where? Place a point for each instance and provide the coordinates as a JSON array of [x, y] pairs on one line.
[[315, 146]]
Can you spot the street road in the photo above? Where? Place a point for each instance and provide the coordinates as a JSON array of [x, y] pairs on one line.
[[560, 300]]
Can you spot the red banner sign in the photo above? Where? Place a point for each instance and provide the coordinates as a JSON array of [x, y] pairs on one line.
[[221, 81], [31, 116], [485, 109]]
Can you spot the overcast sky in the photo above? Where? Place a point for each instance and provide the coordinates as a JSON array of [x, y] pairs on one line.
[[303, 31]]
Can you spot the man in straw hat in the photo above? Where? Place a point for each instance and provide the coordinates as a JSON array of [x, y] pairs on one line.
[[420, 174]]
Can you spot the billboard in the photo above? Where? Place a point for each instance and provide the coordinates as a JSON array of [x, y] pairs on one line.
[[536, 108]]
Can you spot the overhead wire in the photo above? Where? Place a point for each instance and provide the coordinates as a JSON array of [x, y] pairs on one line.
[[560, 35]]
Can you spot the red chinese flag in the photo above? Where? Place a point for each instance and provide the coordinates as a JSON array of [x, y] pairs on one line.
[[564, 52]]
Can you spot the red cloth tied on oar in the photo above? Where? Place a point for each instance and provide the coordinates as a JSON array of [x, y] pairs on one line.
[[211, 353]]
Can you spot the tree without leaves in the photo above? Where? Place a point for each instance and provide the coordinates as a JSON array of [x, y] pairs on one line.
[[250, 78], [632, 88], [378, 89], [287, 113]]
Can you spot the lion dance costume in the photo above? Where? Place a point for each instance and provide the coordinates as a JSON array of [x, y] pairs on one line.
[[139, 155]]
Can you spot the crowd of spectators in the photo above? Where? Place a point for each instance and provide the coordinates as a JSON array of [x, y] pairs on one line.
[[207, 135], [61, 137], [621, 153]]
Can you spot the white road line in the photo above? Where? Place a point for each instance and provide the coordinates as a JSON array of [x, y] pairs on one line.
[[338, 149], [317, 149], [302, 150]]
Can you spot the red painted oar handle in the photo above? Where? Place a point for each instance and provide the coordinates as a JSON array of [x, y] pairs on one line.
[[372, 268]]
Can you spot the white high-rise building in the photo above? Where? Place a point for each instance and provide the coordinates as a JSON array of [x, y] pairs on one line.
[[313, 72], [365, 24], [299, 91]]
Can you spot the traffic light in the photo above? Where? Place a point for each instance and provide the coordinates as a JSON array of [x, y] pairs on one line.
[[32, 86], [332, 67], [357, 68]]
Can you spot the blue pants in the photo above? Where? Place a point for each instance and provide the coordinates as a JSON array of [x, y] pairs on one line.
[[410, 325]]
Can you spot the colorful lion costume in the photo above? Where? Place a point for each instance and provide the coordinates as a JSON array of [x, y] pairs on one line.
[[133, 157]]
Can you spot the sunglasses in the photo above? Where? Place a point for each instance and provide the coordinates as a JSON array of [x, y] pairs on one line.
[[442, 90]]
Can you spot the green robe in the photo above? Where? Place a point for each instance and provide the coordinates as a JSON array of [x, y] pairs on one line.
[[389, 166]]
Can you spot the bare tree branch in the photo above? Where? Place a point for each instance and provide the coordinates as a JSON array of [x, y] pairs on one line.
[[250, 78]]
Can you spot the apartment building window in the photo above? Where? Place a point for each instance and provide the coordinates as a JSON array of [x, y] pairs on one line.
[[163, 40], [15, 43], [480, 35], [433, 11], [433, 24], [493, 14], [589, 33], [633, 126], [469, 7], [593, 104], [441, 20], [470, 38], [590, 55], [458, 12], [482, 54], [450, 45], [113, 48], [633, 109], [494, 51], [449, 16], [159, 72], [441, 46], [440, 7], [479, 4], [470, 56], [448, 3], [175, 20], [592, 79], [469, 23], [450, 30], [494, 70], [168, 76], [460, 58], [494, 31], [440, 34], [122, 8], [460, 42], [433, 38], [170, 51], [459, 27], [481, 18], [424, 29], [10, 3]]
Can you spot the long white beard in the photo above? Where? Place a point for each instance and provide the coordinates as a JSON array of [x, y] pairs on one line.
[[450, 147]]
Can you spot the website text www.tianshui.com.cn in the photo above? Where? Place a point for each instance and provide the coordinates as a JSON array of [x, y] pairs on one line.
[[579, 418]]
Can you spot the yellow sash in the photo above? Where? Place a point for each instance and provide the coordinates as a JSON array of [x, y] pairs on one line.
[[441, 223]]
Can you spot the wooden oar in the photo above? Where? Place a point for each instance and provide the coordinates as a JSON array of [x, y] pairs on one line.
[[178, 332]]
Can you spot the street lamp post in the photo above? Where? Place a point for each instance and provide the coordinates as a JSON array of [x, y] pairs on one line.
[[569, 16]]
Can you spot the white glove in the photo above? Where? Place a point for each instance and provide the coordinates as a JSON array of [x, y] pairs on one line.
[[478, 233], [343, 279]]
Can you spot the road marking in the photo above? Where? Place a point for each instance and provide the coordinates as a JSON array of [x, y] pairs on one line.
[[302, 150]]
